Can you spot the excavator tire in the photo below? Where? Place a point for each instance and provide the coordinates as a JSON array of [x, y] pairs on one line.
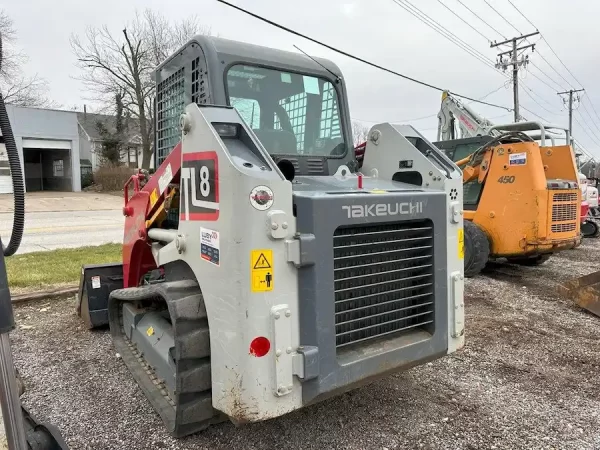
[[477, 249], [189, 408], [590, 228]]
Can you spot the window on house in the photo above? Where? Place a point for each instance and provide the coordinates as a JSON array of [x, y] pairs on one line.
[[132, 155], [57, 168]]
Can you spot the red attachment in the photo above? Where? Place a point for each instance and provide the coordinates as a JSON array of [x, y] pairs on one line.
[[359, 152], [585, 207], [360, 181], [135, 178], [260, 346], [137, 256]]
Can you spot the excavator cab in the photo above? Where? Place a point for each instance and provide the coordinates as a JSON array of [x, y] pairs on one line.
[[521, 198]]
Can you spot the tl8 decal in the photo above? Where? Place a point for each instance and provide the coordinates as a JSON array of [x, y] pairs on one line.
[[199, 186]]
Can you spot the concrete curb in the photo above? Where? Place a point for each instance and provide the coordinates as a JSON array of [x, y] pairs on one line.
[[43, 295]]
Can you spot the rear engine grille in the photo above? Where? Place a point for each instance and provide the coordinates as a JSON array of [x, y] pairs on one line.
[[564, 212], [565, 197], [563, 227], [384, 281]]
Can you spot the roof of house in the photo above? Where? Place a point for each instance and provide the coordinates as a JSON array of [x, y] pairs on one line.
[[89, 122]]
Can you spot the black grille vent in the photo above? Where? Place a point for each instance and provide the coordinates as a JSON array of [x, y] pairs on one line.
[[170, 104], [198, 82], [384, 280], [314, 166]]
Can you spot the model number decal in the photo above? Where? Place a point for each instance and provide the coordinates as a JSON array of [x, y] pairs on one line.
[[506, 179], [200, 186]]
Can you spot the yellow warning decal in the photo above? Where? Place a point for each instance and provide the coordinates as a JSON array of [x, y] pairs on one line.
[[261, 270], [153, 198], [461, 243], [150, 331]]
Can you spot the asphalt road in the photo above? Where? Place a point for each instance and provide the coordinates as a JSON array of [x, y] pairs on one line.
[[64, 229]]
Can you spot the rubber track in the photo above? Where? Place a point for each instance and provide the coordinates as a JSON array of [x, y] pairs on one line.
[[190, 409]]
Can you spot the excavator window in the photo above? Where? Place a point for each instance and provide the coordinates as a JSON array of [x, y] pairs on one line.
[[292, 114]]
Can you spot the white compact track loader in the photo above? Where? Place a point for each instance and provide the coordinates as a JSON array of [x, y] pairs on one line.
[[261, 271]]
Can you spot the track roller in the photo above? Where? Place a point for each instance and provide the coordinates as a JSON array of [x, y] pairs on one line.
[[161, 332]]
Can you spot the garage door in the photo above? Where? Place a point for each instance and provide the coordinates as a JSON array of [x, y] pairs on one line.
[[47, 165], [46, 143]]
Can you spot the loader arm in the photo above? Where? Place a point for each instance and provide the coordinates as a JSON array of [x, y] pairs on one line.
[[475, 166]]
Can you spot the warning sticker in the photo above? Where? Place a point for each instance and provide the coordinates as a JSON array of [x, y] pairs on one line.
[[461, 243], [165, 179], [517, 159], [209, 246], [95, 282], [153, 198], [261, 270]]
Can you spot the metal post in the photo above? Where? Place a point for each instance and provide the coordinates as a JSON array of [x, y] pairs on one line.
[[570, 92], [515, 62], [570, 112], [9, 393], [515, 80], [9, 398]]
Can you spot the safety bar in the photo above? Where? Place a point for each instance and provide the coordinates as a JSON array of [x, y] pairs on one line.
[[533, 125], [135, 178]]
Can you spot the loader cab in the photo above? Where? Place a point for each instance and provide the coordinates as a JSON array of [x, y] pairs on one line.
[[458, 149], [296, 105]]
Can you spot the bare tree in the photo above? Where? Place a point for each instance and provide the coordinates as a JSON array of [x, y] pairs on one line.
[[125, 63], [16, 88], [360, 132]]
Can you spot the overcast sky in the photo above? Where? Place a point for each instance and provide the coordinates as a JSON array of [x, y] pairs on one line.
[[377, 30]]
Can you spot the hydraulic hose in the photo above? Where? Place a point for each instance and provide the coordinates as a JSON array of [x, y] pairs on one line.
[[16, 175]]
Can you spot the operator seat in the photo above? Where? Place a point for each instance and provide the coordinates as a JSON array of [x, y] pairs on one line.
[[278, 141]]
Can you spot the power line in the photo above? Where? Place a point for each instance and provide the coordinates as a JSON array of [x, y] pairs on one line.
[[588, 113], [430, 116], [476, 15], [594, 138], [504, 18], [533, 98], [406, 5], [553, 68], [467, 23], [519, 11], [547, 43], [544, 73], [594, 109], [414, 80]]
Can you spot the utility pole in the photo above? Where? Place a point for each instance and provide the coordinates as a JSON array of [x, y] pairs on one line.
[[515, 62], [570, 92]]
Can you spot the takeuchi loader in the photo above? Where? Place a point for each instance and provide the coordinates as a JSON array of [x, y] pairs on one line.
[[261, 272]]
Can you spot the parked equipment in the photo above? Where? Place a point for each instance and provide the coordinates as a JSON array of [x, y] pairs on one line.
[[521, 198], [261, 273]]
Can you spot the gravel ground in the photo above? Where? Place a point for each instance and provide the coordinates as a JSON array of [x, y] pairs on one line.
[[527, 378]]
